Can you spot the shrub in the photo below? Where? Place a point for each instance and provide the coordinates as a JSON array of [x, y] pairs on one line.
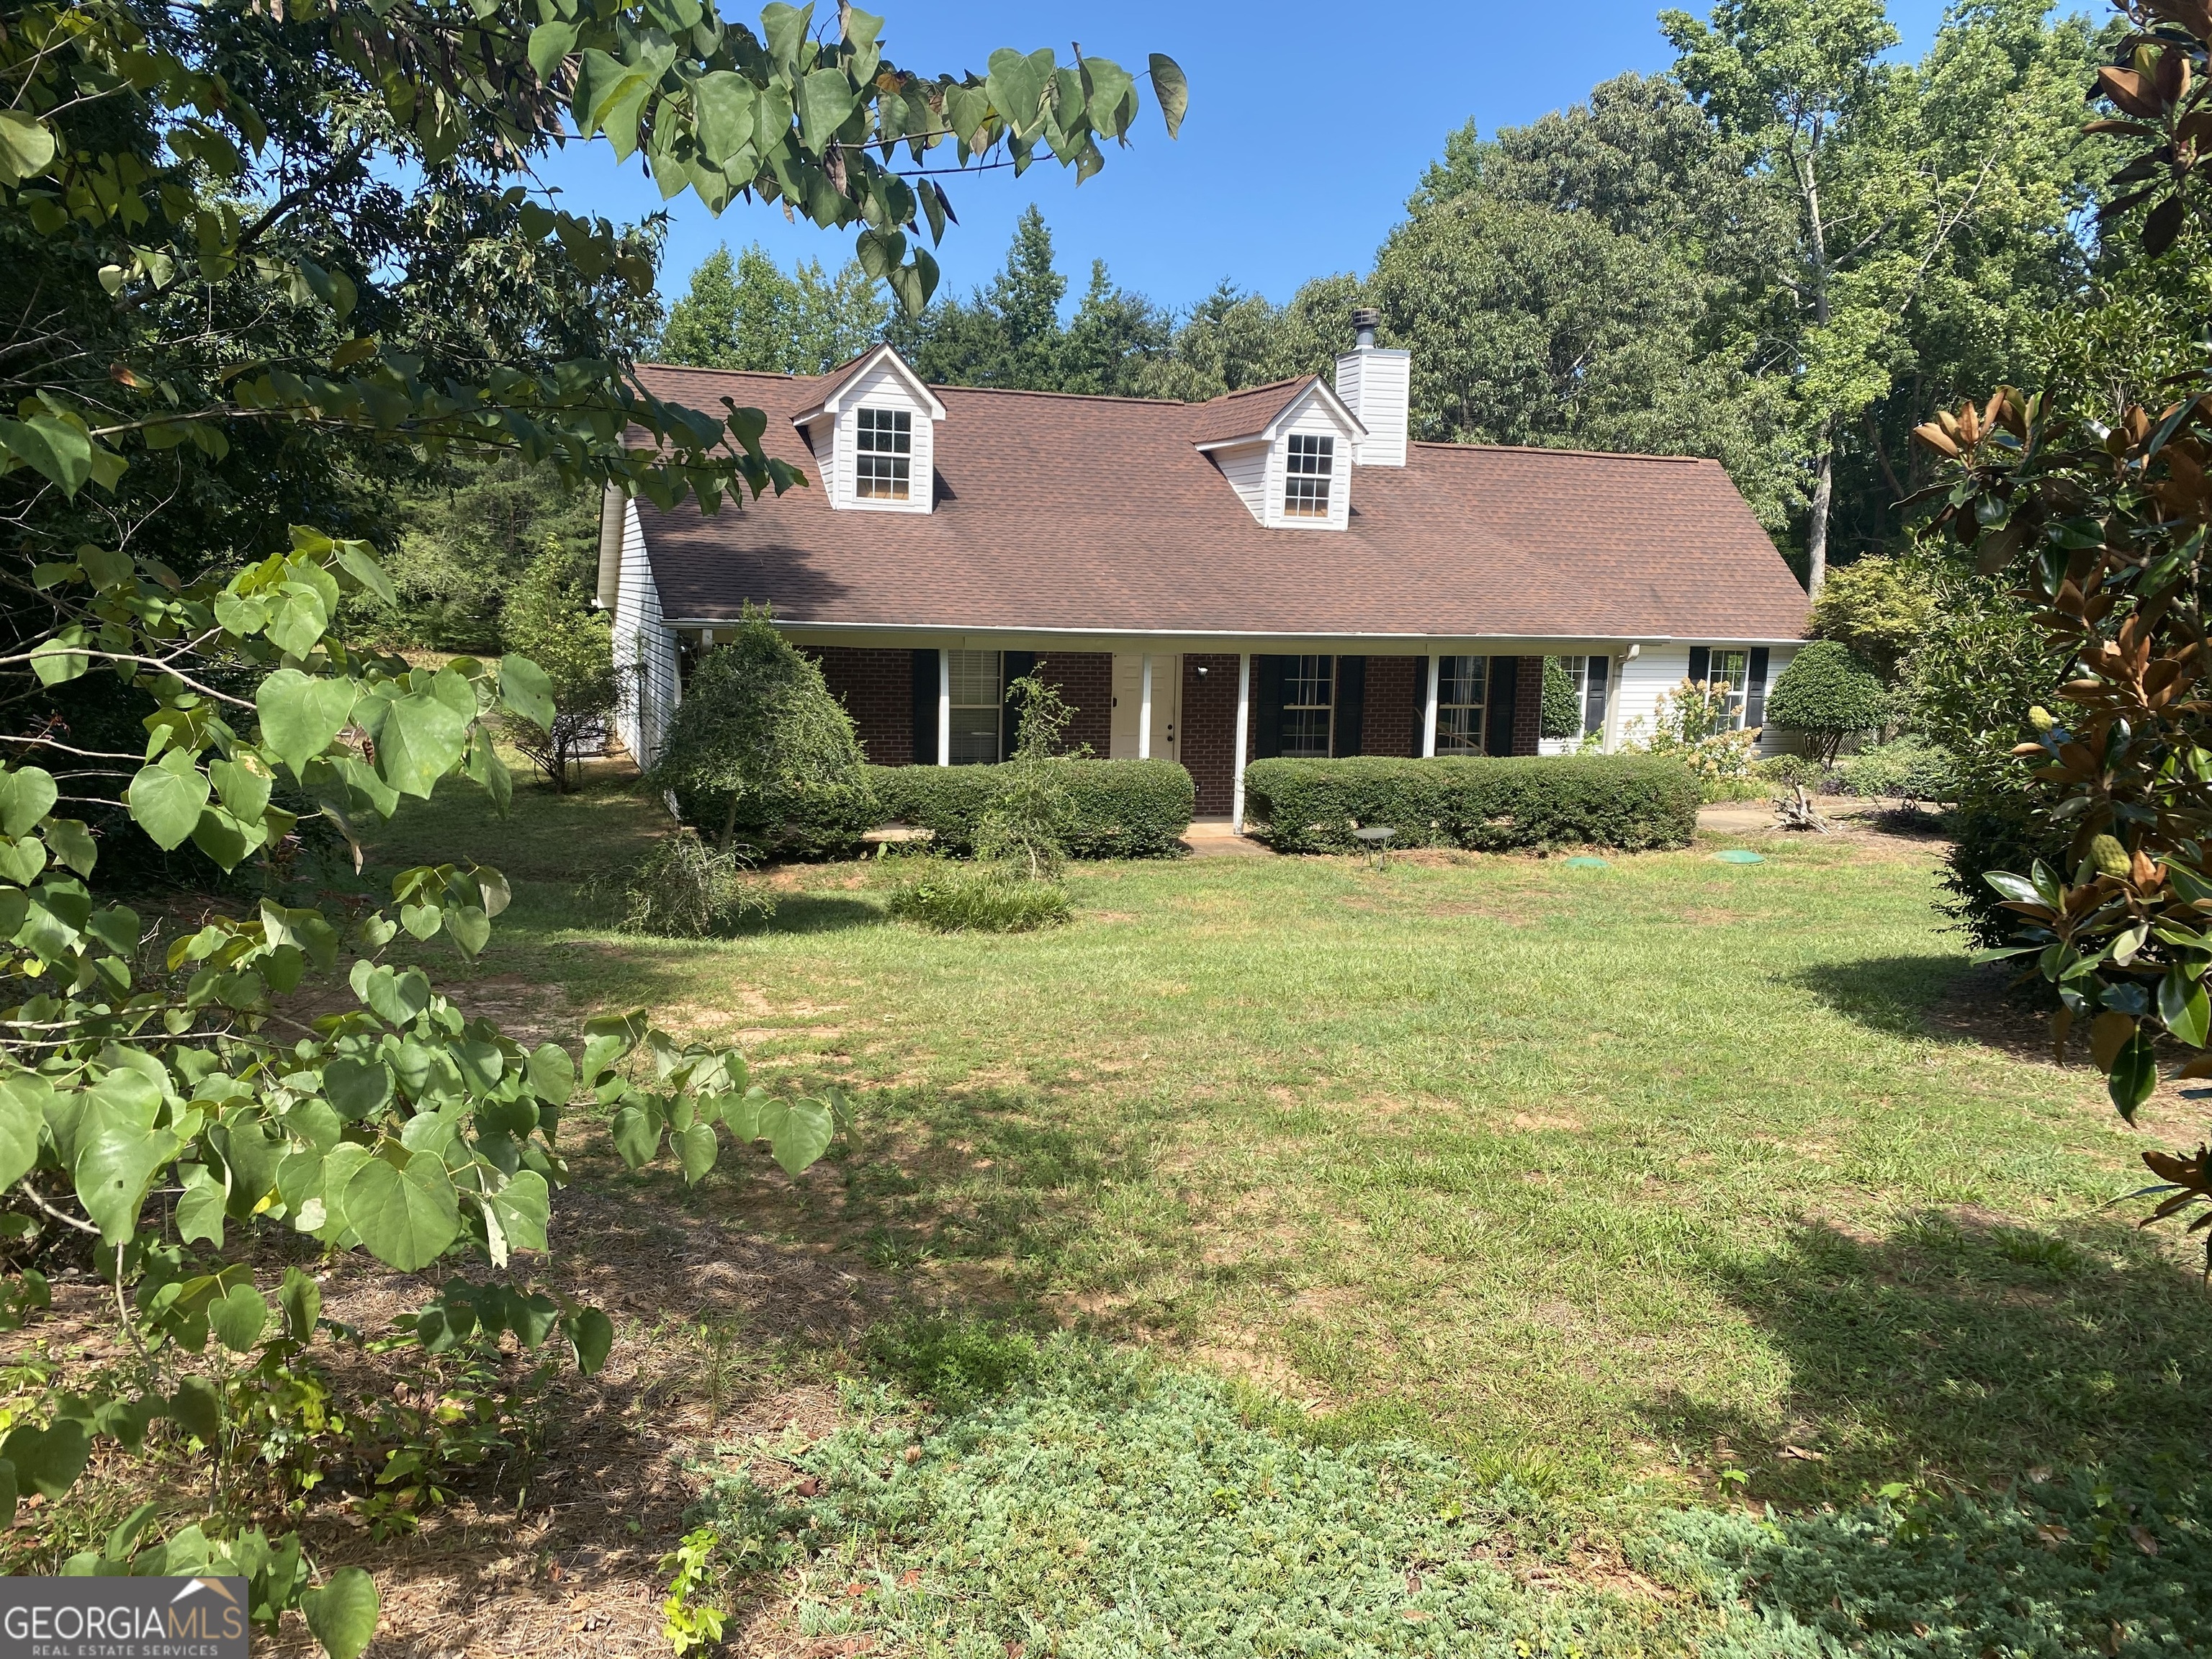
[[1027, 823], [1626, 801], [1122, 809], [1828, 695], [1792, 771], [953, 898], [759, 744], [1878, 608], [685, 888], [1911, 769], [548, 620], [1694, 725]]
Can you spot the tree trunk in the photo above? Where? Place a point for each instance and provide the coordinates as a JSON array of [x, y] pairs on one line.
[[729, 824], [1816, 526]]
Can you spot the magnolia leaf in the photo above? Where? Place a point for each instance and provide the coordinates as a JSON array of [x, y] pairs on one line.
[[342, 1614], [2184, 1007], [2133, 1075], [26, 795], [405, 1218], [301, 716], [166, 797]]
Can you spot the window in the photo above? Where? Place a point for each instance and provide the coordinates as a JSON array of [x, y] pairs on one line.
[[1312, 463], [1463, 688], [978, 691], [1309, 706], [880, 472], [1730, 675]]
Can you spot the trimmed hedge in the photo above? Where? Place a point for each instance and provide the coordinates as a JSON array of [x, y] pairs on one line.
[[826, 822], [1631, 802], [1124, 809]]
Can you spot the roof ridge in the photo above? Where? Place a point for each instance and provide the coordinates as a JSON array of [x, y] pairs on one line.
[[1254, 390], [1072, 397], [1548, 449], [755, 373]]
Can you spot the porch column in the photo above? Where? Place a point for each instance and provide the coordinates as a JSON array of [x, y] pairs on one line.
[[1429, 711], [1144, 709], [1244, 726], [1613, 699], [944, 709]]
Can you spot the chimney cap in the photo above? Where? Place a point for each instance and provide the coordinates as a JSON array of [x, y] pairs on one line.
[[1366, 317]]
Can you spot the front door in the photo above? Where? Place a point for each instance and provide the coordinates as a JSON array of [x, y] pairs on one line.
[[1129, 699]]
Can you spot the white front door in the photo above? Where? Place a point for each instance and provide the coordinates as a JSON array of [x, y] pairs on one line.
[[1128, 700]]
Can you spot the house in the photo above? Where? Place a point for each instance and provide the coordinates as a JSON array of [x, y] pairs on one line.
[[1277, 572]]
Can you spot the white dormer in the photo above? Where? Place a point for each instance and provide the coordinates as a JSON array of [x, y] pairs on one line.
[[1292, 468], [874, 436]]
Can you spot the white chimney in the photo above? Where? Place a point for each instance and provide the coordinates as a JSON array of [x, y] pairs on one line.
[[1377, 386]]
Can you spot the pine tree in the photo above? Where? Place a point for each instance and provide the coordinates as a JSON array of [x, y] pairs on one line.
[[1026, 295]]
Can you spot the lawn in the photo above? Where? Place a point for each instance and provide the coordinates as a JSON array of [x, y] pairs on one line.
[[1673, 1183]]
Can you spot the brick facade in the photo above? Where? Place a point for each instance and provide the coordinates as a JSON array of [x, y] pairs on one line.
[[1527, 705], [876, 687], [1209, 729], [1395, 691], [1085, 679]]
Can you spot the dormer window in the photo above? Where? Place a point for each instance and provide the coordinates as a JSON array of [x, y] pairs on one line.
[[885, 462], [1312, 463]]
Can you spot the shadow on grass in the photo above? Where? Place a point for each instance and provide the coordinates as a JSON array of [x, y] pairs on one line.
[[1896, 994], [1967, 1351], [819, 912]]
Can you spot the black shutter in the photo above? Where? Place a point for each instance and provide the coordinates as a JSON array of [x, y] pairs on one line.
[[925, 708], [1498, 717], [1701, 663], [1420, 704], [1014, 664], [1596, 673], [1754, 694], [1267, 709], [1350, 703]]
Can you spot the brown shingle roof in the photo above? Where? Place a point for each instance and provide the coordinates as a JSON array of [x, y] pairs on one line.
[[1096, 514], [1237, 414]]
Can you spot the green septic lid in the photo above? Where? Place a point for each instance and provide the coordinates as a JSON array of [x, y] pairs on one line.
[[1738, 856], [1587, 864]]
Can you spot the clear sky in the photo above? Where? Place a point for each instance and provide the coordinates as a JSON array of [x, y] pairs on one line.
[[1310, 124]]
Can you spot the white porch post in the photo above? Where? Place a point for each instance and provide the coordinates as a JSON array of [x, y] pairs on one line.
[[1244, 727], [1612, 698], [1429, 711], [944, 709], [1145, 709]]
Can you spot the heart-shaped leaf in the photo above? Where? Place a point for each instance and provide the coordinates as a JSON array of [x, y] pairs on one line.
[[342, 1614], [27, 794], [48, 1460], [238, 1318], [406, 1217], [694, 1150], [301, 715], [165, 799], [114, 1170], [798, 1131], [356, 1086], [591, 1334], [636, 1137]]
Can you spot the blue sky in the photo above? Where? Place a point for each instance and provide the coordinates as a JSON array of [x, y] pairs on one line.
[[1310, 124]]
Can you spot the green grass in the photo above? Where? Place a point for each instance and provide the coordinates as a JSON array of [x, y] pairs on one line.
[[1622, 1184]]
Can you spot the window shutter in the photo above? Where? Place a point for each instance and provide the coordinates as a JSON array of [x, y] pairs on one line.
[[1599, 672], [1350, 704], [1754, 690], [1497, 715], [1267, 710], [1701, 663], [1014, 664], [924, 709]]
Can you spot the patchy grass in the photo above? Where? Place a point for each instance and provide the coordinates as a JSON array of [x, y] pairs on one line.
[[1667, 1178]]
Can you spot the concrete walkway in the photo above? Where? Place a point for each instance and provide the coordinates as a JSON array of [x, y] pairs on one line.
[[1213, 838]]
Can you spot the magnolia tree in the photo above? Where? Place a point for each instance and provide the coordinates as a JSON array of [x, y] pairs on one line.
[[149, 1060], [2106, 530]]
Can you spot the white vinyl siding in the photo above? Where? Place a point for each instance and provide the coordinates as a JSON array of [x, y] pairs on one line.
[[1660, 669], [644, 649], [1246, 469], [1376, 386]]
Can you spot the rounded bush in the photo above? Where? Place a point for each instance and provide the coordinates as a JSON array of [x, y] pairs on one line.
[[1124, 809], [1827, 695], [1911, 769], [1629, 802]]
